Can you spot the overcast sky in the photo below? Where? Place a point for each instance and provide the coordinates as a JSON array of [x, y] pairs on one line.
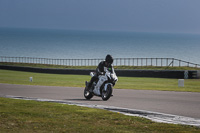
[[120, 15]]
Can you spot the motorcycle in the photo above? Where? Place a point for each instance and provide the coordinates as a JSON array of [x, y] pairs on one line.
[[103, 87]]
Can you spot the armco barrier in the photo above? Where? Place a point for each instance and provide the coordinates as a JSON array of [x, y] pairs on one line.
[[152, 73], [177, 74]]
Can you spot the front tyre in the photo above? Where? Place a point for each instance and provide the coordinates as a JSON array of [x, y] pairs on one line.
[[87, 94], [106, 94]]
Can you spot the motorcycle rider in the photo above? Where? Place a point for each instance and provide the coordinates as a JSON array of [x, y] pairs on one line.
[[101, 69]]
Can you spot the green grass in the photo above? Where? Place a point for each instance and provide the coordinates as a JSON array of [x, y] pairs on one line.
[[32, 116], [17, 77], [94, 67], [163, 84]]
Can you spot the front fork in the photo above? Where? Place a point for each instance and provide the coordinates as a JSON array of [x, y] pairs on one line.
[[105, 87]]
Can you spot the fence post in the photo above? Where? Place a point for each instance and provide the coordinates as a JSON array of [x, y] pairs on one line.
[[156, 62], [141, 61], [146, 62], [137, 61], [167, 62]]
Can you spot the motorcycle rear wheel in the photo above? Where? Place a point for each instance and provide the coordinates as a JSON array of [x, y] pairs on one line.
[[87, 94]]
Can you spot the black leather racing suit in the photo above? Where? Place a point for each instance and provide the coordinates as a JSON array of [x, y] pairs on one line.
[[101, 69]]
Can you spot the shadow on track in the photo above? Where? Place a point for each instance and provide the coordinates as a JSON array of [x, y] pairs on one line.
[[82, 99]]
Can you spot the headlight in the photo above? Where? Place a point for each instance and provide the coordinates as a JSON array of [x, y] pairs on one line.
[[114, 77]]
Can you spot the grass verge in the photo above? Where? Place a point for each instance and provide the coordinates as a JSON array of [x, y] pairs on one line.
[[17, 77], [33, 116]]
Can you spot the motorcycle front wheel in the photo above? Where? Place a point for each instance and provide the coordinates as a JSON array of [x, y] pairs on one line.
[[87, 94], [107, 94]]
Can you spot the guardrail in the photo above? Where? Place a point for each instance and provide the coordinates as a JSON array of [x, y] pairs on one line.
[[168, 62]]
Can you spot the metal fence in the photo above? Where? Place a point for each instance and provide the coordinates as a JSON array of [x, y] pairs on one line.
[[169, 62]]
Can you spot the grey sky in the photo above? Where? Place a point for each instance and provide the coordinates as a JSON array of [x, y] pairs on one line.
[[120, 15]]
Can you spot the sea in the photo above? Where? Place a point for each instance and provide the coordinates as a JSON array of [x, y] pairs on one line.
[[75, 44]]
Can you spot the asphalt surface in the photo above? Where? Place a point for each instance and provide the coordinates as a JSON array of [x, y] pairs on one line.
[[176, 103]]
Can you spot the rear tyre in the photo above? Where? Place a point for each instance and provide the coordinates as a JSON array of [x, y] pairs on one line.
[[107, 94], [87, 94]]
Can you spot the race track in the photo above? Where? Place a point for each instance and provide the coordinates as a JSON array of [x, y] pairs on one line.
[[176, 103]]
